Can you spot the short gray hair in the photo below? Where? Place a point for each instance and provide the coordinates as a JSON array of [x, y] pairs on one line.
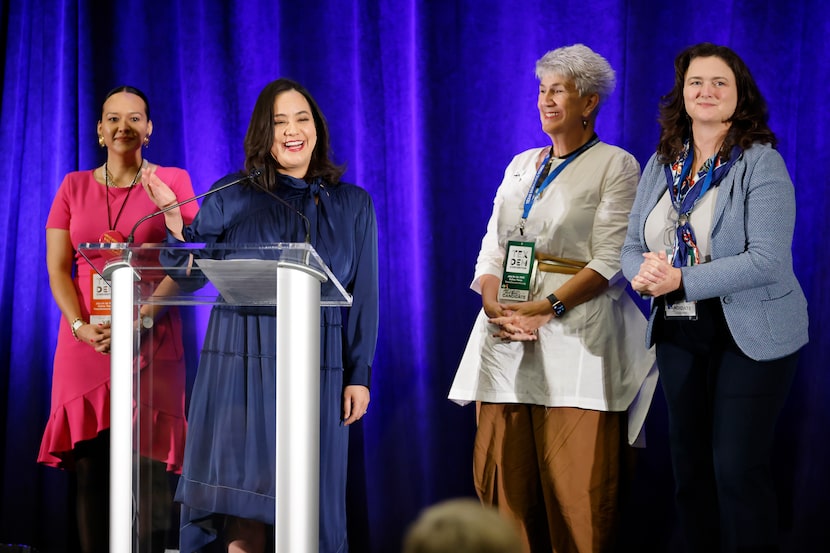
[[590, 72]]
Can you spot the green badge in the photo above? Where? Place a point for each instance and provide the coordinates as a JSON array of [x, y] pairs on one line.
[[518, 269]]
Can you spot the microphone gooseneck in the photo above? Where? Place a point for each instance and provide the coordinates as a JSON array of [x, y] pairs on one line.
[[250, 176], [306, 223]]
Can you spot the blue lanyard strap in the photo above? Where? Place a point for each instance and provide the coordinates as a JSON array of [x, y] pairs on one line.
[[536, 189]]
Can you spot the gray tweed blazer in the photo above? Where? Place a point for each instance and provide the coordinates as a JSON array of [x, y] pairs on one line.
[[751, 270]]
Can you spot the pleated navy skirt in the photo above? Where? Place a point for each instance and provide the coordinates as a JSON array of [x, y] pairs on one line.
[[229, 455]]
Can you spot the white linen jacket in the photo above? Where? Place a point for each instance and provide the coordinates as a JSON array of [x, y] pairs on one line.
[[593, 356]]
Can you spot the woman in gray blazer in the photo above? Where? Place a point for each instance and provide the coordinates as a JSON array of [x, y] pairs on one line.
[[709, 240]]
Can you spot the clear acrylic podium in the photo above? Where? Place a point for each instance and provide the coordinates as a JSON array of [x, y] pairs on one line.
[[289, 276]]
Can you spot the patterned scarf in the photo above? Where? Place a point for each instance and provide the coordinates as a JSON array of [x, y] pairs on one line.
[[686, 192]]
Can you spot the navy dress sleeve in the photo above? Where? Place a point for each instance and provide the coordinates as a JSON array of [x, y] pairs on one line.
[[361, 327]]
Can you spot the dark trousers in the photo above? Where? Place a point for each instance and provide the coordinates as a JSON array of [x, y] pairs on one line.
[[722, 408]]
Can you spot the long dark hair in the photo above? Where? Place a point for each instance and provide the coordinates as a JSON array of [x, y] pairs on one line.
[[131, 90], [748, 123], [260, 137]]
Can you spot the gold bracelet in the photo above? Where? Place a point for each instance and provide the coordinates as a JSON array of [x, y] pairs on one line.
[[75, 326]]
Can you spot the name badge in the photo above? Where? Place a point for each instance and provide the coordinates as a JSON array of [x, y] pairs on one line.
[[682, 310], [518, 269], [100, 303]]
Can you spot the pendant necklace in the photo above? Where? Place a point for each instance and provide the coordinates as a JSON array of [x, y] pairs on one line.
[[113, 235]]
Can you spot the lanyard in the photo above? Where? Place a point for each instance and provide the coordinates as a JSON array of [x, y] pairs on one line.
[[126, 198], [683, 202], [118, 215], [536, 189]]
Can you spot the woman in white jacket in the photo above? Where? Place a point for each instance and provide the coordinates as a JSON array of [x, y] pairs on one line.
[[555, 372]]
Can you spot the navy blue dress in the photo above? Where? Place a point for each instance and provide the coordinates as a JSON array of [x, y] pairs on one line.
[[229, 453]]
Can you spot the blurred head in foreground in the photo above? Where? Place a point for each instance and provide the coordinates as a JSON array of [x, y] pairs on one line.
[[461, 526]]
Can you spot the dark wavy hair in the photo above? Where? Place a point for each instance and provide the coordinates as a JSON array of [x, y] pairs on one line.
[[748, 123], [131, 90], [260, 137]]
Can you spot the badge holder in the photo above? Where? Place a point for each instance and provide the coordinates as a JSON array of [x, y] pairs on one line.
[[519, 264], [679, 310]]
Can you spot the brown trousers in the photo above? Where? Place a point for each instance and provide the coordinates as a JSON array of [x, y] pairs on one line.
[[555, 471]]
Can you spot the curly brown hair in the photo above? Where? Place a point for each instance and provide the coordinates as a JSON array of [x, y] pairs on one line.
[[748, 123], [260, 138]]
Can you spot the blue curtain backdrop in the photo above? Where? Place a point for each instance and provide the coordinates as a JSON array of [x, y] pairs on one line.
[[427, 102]]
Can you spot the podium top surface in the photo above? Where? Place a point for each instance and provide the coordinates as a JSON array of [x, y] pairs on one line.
[[231, 274]]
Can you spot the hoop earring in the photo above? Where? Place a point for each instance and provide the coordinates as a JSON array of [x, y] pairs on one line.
[[101, 140]]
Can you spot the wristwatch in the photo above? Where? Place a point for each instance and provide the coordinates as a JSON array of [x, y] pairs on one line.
[[557, 306], [76, 325]]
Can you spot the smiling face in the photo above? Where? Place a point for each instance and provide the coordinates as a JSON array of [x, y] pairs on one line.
[[295, 134], [561, 108], [710, 91], [124, 124]]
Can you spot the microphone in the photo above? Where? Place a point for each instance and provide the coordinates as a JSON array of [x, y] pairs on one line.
[[306, 256], [126, 257], [250, 176], [289, 206]]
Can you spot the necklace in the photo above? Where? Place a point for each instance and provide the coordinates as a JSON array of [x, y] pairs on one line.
[[109, 179], [113, 235]]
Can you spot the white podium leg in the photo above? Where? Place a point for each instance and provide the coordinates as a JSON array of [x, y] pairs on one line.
[[296, 517], [121, 411]]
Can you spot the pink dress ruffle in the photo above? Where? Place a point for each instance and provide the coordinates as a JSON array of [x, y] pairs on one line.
[[82, 417]]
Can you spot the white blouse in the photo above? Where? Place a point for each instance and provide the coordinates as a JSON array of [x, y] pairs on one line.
[[593, 357], [661, 224]]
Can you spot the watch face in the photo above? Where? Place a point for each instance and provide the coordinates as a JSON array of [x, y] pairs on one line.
[[558, 309]]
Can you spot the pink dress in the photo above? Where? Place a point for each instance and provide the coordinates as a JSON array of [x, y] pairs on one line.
[[81, 376]]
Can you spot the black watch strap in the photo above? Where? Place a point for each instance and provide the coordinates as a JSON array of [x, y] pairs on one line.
[[557, 306]]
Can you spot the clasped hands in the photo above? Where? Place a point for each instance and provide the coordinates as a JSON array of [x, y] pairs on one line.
[[519, 322], [99, 336], [657, 276], [96, 335]]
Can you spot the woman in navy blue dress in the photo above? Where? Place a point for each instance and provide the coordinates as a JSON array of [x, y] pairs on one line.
[[227, 484]]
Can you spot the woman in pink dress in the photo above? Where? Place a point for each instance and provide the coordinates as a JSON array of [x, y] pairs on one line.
[[99, 205]]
